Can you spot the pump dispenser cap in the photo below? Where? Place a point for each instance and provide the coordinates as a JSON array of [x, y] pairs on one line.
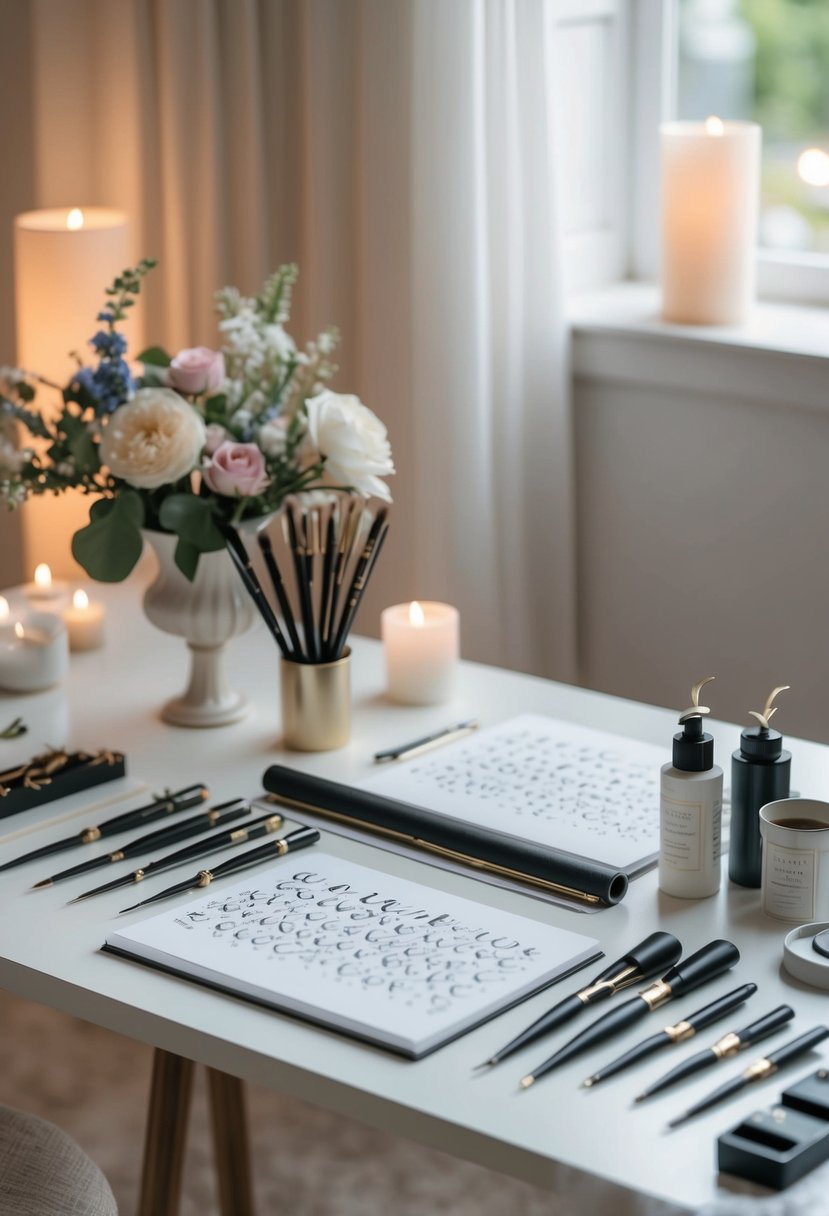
[[693, 750], [761, 742]]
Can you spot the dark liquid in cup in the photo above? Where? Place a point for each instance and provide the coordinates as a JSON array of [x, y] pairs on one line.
[[802, 825]]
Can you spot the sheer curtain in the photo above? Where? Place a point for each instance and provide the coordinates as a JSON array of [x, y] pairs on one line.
[[402, 153]]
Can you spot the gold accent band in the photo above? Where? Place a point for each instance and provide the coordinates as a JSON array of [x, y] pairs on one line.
[[759, 1069], [239, 834], [680, 1032], [273, 824], [544, 883], [728, 1045], [137, 875], [205, 878], [613, 983], [282, 847], [117, 856], [212, 816], [656, 994], [90, 835]]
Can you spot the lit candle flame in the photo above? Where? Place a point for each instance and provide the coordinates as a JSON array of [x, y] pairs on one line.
[[813, 167], [19, 631], [4, 608], [43, 577], [416, 616], [80, 600], [714, 125], [74, 219]]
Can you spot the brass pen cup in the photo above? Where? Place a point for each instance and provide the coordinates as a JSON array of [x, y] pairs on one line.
[[316, 704]]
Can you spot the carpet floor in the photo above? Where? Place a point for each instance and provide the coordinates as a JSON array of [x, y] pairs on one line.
[[307, 1162]]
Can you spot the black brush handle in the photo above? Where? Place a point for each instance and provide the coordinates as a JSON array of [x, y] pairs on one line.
[[706, 964], [719, 1008], [765, 1026], [790, 1051], [300, 839], [656, 952], [179, 800]]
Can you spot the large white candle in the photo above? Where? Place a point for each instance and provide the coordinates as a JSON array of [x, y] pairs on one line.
[[710, 197], [421, 643], [64, 259], [36, 655]]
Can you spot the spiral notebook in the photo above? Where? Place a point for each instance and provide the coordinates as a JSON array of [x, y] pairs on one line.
[[381, 958]]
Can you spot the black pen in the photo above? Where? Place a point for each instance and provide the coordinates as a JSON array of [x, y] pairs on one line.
[[758, 1071], [169, 834], [709, 962], [300, 839], [216, 842], [728, 1045], [165, 804], [678, 1033], [447, 733], [655, 953]]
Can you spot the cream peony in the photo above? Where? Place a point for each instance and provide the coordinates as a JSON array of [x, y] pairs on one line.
[[153, 440], [353, 442]]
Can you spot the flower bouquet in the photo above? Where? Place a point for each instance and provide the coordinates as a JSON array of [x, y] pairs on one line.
[[205, 438]]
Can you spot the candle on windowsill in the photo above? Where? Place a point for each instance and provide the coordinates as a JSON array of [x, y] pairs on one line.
[[710, 199], [84, 620], [36, 654], [421, 645]]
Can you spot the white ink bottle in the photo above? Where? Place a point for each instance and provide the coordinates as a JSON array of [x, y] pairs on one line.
[[690, 809]]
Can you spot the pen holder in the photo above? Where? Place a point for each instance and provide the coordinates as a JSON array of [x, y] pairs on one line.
[[316, 704]]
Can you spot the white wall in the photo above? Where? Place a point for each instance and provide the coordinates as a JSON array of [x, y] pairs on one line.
[[704, 545]]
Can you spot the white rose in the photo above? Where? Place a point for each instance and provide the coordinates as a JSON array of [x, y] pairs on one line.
[[153, 440], [353, 442]]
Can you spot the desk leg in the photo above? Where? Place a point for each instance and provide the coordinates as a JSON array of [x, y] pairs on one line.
[[230, 1144], [172, 1086]]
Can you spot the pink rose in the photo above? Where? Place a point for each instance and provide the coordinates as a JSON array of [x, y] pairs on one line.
[[215, 435], [236, 470], [197, 370]]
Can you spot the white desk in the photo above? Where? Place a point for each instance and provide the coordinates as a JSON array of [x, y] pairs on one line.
[[49, 953]]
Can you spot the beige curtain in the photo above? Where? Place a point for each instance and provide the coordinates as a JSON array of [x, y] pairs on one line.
[[401, 152]]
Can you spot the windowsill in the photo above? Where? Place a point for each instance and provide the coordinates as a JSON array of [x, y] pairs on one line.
[[781, 354]]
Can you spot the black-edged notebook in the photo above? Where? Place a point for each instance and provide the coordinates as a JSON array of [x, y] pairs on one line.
[[381, 958]]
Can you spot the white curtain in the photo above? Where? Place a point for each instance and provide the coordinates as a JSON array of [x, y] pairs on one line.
[[401, 151]]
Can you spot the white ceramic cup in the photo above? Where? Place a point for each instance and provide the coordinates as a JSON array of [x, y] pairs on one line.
[[795, 877]]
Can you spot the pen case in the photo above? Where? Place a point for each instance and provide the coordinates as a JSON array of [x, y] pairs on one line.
[[548, 869], [56, 773], [777, 1146]]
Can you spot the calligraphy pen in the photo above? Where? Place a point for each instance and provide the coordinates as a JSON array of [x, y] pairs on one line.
[[169, 803], [300, 839], [656, 952], [181, 830], [216, 842], [758, 1071], [709, 962], [727, 1046], [675, 1034]]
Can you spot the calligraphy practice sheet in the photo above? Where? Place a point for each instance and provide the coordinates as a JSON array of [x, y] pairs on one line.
[[353, 948], [538, 779]]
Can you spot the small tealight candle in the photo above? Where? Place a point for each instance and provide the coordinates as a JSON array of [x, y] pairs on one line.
[[84, 620], [6, 623], [421, 643], [44, 588], [36, 654]]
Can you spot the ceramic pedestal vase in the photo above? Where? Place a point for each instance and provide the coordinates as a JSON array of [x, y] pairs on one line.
[[207, 612]]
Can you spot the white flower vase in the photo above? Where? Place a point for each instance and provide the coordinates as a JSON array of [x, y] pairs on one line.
[[208, 612]]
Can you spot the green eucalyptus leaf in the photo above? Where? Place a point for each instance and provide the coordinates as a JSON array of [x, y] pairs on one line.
[[187, 559], [192, 520], [154, 356], [110, 544]]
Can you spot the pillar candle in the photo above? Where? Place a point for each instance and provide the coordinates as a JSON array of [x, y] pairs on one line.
[[710, 198], [36, 655], [64, 260], [421, 643], [84, 621]]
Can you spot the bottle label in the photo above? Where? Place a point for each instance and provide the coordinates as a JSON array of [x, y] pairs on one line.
[[789, 882], [683, 834]]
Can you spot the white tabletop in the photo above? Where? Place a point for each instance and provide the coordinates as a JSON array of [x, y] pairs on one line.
[[50, 953]]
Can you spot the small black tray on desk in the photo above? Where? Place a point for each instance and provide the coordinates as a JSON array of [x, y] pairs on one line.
[[777, 1146], [56, 773]]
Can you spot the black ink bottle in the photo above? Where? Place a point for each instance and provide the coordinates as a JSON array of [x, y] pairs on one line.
[[760, 772]]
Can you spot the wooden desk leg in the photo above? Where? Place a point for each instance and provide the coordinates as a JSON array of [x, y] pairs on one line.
[[169, 1107], [230, 1144]]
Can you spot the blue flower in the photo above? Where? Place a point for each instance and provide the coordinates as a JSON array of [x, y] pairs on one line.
[[109, 343]]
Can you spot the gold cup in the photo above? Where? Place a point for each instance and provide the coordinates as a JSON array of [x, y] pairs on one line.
[[316, 704]]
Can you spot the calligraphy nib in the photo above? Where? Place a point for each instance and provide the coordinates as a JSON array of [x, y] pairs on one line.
[[44, 882], [486, 1064]]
